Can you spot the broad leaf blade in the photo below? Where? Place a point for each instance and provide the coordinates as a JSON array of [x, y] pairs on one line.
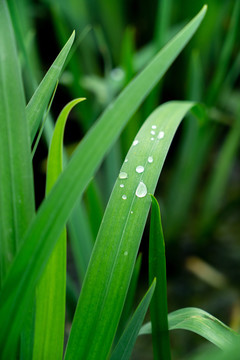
[[114, 254], [51, 290], [124, 348], [38, 103], [157, 269], [56, 209], [203, 324], [16, 190]]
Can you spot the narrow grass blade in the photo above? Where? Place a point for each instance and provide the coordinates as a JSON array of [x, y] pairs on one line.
[[124, 348], [43, 122], [81, 239], [40, 99], [157, 269], [188, 164], [51, 290], [94, 206], [218, 180], [129, 302], [108, 276], [203, 324], [16, 190], [162, 22], [55, 210], [225, 56]]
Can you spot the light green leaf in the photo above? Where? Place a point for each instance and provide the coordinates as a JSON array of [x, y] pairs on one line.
[[124, 347], [38, 103], [109, 273], [55, 210], [157, 269], [203, 324], [51, 290], [16, 180]]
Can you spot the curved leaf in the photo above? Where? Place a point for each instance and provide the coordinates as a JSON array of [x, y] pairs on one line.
[[109, 273], [203, 324]]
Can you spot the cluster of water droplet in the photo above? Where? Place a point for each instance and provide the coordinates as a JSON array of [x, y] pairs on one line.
[[141, 190]]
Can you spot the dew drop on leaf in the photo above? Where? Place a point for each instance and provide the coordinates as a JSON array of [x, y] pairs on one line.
[[152, 138], [139, 169], [124, 197], [153, 132], [150, 159], [125, 253], [135, 142], [160, 135], [154, 126], [121, 185], [141, 190], [123, 175]]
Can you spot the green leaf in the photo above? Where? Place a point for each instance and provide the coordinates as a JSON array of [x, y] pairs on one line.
[[81, 239], [51, 290], [124, 347], [157, 269], [216, 354], [55, 210], [219, 177], [38, 103], [16, 187], [203, 324], [129, 302], [114, 254], [225, 56]]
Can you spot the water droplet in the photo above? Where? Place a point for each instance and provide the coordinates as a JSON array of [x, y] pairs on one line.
[[141, 190], [150, 159], [154, 127], [126, 160], [124, 197], [123, 175], [160, 135], [135, 142], [131, 212], [152, 138], [153, 132], [139, 169], [126, 253], [121, 185]]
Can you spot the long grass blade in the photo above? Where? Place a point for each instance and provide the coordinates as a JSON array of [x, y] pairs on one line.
[[16, 190], [55, 210], [41, 97], [218, 180], [201, 323], [157, 269], [109, 273], [51, 290], [124, 347]]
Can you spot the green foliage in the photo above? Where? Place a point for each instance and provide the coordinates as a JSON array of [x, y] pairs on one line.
[[202, 323], [157, 268], [113, 42]]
